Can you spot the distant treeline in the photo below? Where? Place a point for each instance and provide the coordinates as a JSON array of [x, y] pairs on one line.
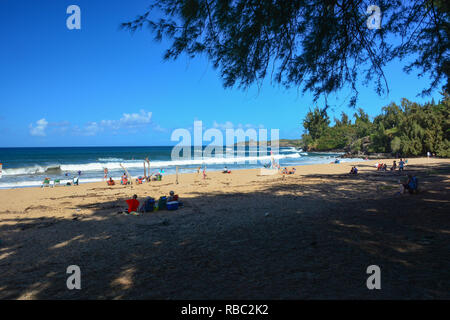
[[410, 129]]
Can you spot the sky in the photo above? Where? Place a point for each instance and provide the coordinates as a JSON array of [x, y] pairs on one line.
[[103, 86]]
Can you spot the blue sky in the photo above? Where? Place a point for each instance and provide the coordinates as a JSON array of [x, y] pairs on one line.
[[102, 86]]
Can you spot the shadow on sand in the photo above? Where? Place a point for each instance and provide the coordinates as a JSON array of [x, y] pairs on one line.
[[294, 240]]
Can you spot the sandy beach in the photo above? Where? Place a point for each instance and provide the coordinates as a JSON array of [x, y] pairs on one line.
[[310, 235]]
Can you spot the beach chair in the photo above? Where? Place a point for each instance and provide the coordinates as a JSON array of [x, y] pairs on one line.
[[46, 183]]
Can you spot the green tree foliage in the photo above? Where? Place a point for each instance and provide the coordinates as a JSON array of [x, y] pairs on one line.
[[316, 122], [410, 129], [319, 45]]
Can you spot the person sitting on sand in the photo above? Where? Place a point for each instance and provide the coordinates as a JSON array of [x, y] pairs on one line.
[[394, 166], [139, 180], [225, 170], [284, 171], [292, 171], [411, 185], [354, 170], [384, 167], [172, 196], [111, 182], [133, 204]]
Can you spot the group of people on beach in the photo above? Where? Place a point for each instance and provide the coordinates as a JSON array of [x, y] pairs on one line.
[[383, 166], [286, 171], [124, 179], [354, 170], [56, 182], [149, 204]]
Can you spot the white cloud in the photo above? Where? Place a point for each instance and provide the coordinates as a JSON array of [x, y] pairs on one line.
[[128, 123], [128, 120], [91, 129], [39, 128]]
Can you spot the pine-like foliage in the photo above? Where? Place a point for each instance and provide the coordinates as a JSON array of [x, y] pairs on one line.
[[318, 45]]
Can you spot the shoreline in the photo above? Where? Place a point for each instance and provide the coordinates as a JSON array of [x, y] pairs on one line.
[[170, 179], [297, 166], [100, 180]]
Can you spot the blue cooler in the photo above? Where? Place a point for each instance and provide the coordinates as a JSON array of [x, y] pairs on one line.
[[172, 205]]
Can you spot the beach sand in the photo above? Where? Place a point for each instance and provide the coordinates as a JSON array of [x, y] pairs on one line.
[[310, 235]]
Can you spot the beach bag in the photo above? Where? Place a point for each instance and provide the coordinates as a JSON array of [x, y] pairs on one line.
[[149, 205]]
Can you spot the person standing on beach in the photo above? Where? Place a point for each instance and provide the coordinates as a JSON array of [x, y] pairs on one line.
[[401, 164], [106, 173], [204, 173], [394, 166]]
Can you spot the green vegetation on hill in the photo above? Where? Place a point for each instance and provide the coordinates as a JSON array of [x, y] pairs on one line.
[[410, 129]]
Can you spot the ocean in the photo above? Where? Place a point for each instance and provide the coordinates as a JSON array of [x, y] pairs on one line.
[[27, 167]]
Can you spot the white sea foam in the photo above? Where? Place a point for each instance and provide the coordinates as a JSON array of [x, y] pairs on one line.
[[130, 164]]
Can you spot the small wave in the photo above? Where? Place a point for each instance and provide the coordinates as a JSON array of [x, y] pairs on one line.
[[32, 170]]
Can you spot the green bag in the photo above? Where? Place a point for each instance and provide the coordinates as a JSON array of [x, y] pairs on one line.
[[162, 203]]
